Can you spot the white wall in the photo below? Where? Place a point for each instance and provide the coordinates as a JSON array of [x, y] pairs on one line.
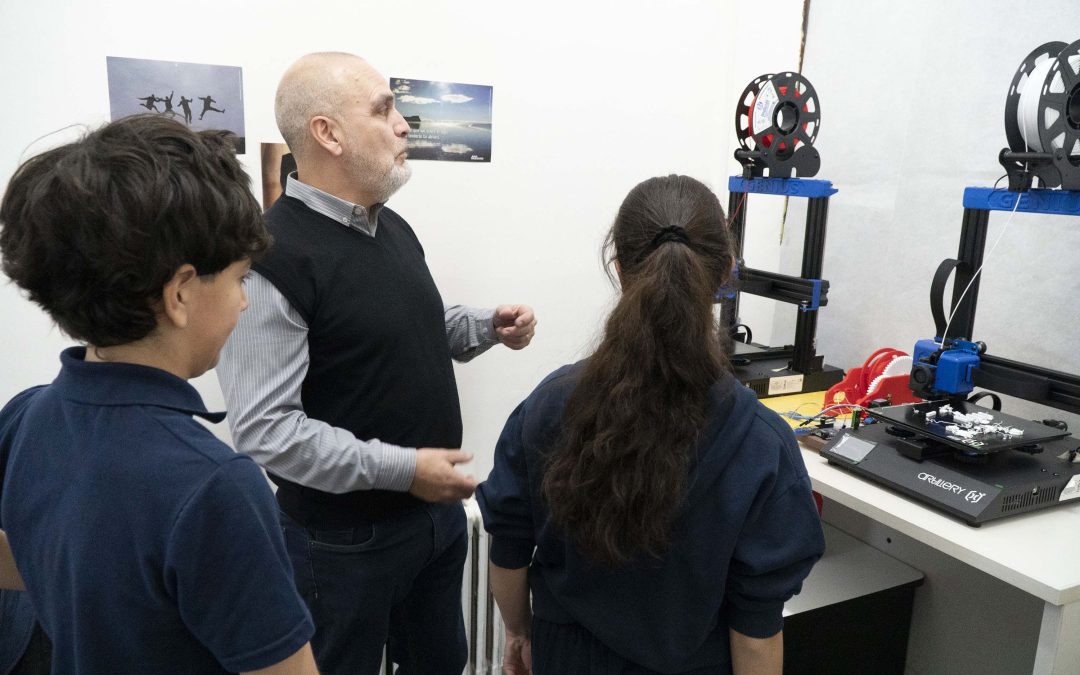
[[589, 99]]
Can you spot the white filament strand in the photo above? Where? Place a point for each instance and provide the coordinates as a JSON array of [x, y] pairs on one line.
[[1027, 112]]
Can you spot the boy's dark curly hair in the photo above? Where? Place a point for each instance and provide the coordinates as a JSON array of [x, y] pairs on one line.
[[94, 229]]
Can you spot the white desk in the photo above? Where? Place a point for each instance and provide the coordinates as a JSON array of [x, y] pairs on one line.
[[1038, 553], [849, 569]]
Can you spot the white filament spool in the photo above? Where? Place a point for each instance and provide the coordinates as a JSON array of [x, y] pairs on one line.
[[1027, 111]]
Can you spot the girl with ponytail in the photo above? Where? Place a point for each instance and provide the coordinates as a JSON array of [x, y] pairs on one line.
[[662, 515]]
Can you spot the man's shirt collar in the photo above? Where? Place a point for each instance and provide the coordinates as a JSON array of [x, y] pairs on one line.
[[345, 212]]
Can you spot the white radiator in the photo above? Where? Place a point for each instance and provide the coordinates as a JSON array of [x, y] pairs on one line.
[[483, 625]]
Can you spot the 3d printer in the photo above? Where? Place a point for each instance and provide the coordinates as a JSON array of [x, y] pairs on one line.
[[972, 462], [777, 119]]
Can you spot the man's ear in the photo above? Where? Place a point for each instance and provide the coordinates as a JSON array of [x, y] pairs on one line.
[[326, 133], [176, 296]]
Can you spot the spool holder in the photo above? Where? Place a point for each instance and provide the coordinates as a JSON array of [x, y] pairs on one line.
[[1055, 166], [784, 146]]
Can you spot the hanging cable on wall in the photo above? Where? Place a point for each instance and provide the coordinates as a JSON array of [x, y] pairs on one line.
[[1042, 120], [777, 120]]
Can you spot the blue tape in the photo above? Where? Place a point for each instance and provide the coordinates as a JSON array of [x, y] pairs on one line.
[[815, 298], [1056, 202], [785, 187]]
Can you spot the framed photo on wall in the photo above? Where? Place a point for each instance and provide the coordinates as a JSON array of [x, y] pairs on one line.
[[277, 164], [200, 95], [448, 121]]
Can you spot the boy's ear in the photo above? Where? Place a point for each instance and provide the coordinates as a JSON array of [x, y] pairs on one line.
[[176, 296]]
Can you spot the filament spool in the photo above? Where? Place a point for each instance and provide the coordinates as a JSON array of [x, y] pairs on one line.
[[1042, 115], [777, 119]]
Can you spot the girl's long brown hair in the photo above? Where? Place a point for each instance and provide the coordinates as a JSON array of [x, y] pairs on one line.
[[616, 475]]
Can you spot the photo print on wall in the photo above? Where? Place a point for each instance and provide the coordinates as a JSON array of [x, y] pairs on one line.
[[277, 164], [203, 96], [448, 121]]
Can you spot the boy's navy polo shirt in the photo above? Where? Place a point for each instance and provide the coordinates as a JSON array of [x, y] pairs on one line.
[[146, 544]]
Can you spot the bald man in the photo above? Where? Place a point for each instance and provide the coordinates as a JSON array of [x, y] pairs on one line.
[[340, 384]]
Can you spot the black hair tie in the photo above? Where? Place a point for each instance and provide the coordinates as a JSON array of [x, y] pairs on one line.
[[670, 233]]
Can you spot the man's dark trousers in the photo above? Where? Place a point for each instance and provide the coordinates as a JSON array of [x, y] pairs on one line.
[[394, 580]]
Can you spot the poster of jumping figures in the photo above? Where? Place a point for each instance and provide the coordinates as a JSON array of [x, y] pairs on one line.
[[200, 95]]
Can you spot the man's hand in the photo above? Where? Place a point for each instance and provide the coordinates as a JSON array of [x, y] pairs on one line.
[[514, 325], [436, 480]]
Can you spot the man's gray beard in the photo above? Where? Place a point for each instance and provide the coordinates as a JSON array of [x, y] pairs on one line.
[[392, 180]]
